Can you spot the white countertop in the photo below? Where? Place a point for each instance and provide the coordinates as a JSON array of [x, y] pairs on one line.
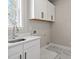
[[28, 39]]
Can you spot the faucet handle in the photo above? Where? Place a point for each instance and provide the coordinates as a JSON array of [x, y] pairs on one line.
[[17, 29]]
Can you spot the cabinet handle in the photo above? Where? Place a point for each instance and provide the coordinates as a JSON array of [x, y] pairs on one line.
[[20, 56], [51, 17], [25, 55], [42, 14]]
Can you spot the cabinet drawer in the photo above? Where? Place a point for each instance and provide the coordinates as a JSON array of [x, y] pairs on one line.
[[15, 50], [32, 43]]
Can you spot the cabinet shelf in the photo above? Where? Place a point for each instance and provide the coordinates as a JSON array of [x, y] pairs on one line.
[[43, 20]]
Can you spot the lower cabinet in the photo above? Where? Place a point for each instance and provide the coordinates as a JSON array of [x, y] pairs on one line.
[[16, 56], [32, 53], [30, 50]]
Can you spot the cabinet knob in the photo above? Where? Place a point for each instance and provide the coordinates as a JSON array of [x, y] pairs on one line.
[[51, 17], [20, 56], [42, 14], [25, 55]]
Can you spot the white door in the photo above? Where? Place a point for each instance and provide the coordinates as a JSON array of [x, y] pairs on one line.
[[51, 11], [43, 9], [32, 53], [37, 9], [40, 9]]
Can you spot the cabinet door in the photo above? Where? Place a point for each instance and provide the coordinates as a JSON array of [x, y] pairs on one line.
[[33, 9], [37, 9], [32, 53], [40, 9], [43, 9], [51, 11], [16, 56]]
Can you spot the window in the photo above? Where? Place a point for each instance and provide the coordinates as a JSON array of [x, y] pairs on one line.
[[14, 13]]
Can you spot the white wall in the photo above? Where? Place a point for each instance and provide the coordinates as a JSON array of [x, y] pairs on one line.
[[61, 29], [43, 29]]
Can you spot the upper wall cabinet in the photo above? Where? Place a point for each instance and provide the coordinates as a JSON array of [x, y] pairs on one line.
[[37, 9], [40, 10], [51, 11]]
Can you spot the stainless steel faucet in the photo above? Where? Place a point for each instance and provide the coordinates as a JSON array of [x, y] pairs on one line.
[[14, 31]]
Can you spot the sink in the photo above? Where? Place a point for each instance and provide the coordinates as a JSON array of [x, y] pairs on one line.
[[17, 40]]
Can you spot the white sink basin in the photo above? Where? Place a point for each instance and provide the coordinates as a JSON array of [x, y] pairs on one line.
[[16, 40]]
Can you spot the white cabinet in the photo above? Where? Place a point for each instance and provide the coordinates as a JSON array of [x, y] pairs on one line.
[[29, 50], [43, 10], [33, 50], [51, 11], [16, 56], [37, 9], [40, 10], [32, 53], [15, 52]]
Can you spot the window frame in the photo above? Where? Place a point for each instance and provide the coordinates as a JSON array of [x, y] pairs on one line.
[[18, 19]]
